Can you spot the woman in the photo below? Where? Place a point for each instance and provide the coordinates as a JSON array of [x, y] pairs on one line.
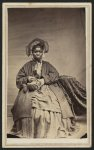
[[41, 109]]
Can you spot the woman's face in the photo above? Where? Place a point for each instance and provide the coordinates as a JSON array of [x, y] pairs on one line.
[[37, 53]]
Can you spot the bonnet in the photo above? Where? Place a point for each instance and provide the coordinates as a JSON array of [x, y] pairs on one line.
[[36, 42]]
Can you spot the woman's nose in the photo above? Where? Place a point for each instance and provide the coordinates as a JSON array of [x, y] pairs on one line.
[[38, 53]]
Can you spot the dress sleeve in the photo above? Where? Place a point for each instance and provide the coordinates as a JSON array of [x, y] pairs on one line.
[[21, 78], [51, 75]]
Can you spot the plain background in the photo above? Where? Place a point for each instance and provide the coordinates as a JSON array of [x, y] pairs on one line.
[[63, 29]]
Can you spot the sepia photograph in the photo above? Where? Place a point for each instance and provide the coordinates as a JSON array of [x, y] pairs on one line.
[[46, 75]]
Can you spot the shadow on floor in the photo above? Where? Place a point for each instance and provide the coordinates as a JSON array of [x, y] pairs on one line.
[[84, 136], [14, 136]]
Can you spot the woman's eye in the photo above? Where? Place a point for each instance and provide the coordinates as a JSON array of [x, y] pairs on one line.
[[38, 52]]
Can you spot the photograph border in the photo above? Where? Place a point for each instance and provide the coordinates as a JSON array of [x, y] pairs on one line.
[[7, 143]]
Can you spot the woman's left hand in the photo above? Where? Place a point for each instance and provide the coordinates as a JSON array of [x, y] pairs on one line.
[[31, 78], [41, 81], [32, 87]]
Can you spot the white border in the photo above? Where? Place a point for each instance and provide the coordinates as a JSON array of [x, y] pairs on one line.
[[9, 143]]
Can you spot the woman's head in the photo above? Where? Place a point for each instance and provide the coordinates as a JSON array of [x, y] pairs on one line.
[[37, 52], [36, 48]]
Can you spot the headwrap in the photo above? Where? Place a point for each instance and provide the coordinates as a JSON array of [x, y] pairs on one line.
[[36, 42]]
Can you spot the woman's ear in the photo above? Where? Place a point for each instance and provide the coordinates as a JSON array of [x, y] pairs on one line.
[[43, 55], [31, 55]]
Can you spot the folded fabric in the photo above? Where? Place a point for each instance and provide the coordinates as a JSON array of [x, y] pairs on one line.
[[75, 93]]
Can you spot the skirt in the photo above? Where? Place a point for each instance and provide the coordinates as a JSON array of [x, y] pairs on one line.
[[44, 124], [46, 119]]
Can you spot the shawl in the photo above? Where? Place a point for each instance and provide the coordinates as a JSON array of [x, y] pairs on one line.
[[75, 93]]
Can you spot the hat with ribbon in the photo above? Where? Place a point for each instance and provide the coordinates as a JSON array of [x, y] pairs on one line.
[[37, 42]]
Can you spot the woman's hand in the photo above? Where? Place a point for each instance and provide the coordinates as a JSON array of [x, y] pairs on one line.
[[24, 88], [41, 81], [32, 86], [31, 78], [35, 84]]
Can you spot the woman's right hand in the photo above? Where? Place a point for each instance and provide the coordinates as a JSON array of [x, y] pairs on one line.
[[25, 88], [31, 78], [32, 86]]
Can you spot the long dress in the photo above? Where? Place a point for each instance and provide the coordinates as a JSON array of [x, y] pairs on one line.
[[43, 113]]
